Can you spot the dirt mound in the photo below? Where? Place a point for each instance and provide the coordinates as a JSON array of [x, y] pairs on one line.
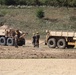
[[28, 51]]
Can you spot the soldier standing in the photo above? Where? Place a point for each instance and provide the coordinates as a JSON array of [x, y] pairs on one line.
[[37, 39], [47, 36], [6, 35], [16, 39], [18, 33], [34, 40]]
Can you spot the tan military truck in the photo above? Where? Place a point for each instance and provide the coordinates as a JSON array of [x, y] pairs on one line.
[[8, 39], [60, 39]]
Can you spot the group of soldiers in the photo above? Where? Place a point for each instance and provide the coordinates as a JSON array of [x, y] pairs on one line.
[[16, 35], [35, 40]]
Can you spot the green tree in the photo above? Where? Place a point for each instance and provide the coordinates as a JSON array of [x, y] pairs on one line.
[[32, 2], [67, 3], [74, 1], [20, 2], [10, 2], [2, 2]]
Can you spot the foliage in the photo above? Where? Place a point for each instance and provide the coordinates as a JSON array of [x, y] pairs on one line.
[[40, 13], [71, 3]]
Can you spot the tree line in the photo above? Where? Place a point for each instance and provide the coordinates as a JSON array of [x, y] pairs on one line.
[[71, 3]]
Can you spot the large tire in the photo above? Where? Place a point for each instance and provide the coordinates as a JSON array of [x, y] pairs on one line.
[[2, 41], [10, 42], [61, 43], [21, 42], [52, 43]]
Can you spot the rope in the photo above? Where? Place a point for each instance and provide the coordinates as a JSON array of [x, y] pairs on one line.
[[42, 42]]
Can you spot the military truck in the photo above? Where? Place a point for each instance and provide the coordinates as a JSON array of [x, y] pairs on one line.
[[60, 39], [9, 40]]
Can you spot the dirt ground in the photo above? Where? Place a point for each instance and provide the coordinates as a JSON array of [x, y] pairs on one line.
[[28, 51], [38, 67], [53, 66]]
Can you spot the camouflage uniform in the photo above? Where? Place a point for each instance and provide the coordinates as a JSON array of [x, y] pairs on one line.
[[47, 36], [6, 35], [34, 40], [16, 39], [37, 39]]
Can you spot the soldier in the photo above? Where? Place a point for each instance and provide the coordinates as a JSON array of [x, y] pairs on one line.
[[16, 39], [37, 39], [47, 35], [18, 33], [10, 32], [13, 33], [34, 40], [6, 35], [22, 39]]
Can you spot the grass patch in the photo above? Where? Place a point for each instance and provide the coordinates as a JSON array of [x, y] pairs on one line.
[[61, 19]]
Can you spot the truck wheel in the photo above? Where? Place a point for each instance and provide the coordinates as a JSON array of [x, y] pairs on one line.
[[61, 43], [10, 41], [52, 43], [21, 42], [2, 41]]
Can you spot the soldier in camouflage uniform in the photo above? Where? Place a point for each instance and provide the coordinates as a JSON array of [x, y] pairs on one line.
[[16, 39], [37, 39], [34, 40]]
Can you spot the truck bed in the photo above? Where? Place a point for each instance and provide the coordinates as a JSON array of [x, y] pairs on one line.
[[61, 33], [2, 32]]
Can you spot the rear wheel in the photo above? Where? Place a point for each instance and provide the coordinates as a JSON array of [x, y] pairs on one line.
[[61, 43], [10, 42], [21, 41], [2, 41], [52, 43]]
